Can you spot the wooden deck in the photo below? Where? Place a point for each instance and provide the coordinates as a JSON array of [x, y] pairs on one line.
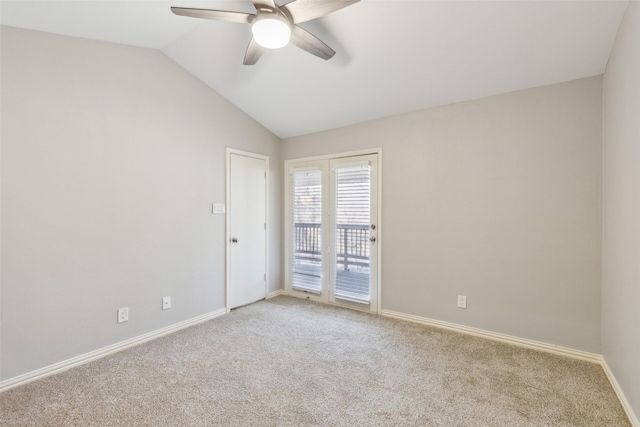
[[352, 251]]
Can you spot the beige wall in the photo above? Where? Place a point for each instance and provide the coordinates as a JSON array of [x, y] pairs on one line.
[[111, 158], [621, 212], [497, 199]]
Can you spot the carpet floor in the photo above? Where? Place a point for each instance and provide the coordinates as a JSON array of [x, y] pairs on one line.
[[290, 362]]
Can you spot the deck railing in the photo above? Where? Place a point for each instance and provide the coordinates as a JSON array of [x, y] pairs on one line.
[[352, 244]]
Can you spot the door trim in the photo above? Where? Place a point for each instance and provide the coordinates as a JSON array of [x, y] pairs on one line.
[[287, 244], [227, 236]]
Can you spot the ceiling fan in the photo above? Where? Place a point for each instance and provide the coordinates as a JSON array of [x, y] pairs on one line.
[[274, 26]]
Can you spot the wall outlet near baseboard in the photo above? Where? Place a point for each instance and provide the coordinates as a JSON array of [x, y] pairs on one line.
[[123, 314], [462, 301], [166, 303]]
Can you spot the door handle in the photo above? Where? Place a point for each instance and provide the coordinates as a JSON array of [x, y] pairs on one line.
[[234, 240], [372, 239]]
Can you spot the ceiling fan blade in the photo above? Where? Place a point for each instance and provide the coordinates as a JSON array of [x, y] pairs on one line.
[[306, 10], [264, 4], [307, 41], [218, 15], [254, 52]]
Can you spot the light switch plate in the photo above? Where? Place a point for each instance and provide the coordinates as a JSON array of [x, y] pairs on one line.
[[217, 208]]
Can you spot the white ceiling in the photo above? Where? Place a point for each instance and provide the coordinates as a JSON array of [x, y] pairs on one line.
[[392, 56]]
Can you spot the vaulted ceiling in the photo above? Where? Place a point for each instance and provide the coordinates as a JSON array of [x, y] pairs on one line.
[[392, 56]]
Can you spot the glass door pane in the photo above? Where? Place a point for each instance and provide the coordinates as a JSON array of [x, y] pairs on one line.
[[331, 232], [306, 262], [352, 228]]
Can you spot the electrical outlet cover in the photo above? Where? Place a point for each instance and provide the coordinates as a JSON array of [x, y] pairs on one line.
[[123, 314], [166, 303], [462, 301]]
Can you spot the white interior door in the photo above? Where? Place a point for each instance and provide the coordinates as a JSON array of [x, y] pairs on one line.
[[332, 231], [247, 275]]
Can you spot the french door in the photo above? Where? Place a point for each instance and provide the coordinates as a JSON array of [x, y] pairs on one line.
[[332, 230]]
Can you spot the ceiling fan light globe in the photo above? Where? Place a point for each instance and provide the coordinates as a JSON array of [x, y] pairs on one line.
[[271, 33]]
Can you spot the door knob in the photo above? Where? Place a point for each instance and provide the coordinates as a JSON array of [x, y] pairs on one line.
[[372, 239], [234, 240]]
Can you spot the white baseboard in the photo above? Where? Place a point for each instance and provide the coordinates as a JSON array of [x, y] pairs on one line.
[[522, 342], [275, 293], [105, 351], [621, 397]]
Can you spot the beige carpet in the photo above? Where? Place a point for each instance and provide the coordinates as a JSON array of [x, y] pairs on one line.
[[289, 362]]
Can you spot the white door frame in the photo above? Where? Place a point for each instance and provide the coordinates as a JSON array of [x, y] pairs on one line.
[[287, 232], [227, 235]]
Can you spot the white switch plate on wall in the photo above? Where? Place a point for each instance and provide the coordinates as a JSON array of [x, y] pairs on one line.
[[217, 208], [166, 303]]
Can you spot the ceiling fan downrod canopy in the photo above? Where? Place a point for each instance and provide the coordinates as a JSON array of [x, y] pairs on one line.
[[275, 26]]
